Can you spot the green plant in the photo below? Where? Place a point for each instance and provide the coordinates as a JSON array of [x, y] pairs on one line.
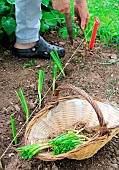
[[13, 129], [50, 18], [40, 85], [57, 61], [107, 12], [7, 18], [61, 144], [77, 58], [109, 92], [22, 100], [110, 62], [54, 75], [111, 80], [30, 63]]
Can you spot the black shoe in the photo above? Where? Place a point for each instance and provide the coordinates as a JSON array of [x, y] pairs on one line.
[[41, 49]]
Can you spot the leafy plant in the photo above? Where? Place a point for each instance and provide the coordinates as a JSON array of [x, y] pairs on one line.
[[40, 85], [22, 100], [57, 61], [30, 63], [13, 130], [61, 144], [7, 18], [109, 92], [75, 28], [106, 11], [64, 32], [49, 17]]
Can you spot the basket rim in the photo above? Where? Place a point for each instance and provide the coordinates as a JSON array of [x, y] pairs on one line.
[[51, 105], [45, 110]]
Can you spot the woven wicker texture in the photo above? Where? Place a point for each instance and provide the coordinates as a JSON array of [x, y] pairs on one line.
[[69, 111]]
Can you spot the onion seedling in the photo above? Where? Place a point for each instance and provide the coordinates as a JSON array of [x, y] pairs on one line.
[[40, 84], [23, 103], [57, 61], [54, 75], [13, 129]]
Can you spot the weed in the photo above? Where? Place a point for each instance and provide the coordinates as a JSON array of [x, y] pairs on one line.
[[76, 59], [109, 92], [111, 80], [30, 63]]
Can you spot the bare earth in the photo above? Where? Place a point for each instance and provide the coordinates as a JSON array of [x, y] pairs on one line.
[[83, 70]]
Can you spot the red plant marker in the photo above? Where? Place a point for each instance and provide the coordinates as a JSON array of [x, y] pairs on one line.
[[96, 25]]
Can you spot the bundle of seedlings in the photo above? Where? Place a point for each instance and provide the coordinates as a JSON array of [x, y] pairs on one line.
[[63, 143]]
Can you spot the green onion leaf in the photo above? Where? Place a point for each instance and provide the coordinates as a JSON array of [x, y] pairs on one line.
[[23, 103], [13, 130], [54, 74], [40, 85], [57, 61]]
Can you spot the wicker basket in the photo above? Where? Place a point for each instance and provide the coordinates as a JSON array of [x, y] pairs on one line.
[[63, 113]]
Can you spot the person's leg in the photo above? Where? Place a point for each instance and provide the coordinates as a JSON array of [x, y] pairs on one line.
[[28, 42], [28, 24]]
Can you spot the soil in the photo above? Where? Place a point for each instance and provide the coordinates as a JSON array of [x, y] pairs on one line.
[[82, 70]]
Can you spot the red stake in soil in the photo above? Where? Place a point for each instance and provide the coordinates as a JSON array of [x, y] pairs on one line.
[[96, 25]]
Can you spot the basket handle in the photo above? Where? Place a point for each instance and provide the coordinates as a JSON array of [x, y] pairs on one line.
[[55, 98]]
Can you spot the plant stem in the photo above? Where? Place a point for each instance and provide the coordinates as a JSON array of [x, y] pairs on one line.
[[40, 85], [22, 100], [13, 130]]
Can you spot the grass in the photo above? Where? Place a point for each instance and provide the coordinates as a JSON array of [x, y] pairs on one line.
[[108, 13]]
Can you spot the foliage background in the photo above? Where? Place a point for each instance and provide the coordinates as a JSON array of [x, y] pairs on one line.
[[107, 11]]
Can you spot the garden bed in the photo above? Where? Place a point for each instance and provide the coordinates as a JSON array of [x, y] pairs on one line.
[[84, 71]]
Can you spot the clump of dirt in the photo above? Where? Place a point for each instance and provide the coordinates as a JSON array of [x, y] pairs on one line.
[[83, 69]]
